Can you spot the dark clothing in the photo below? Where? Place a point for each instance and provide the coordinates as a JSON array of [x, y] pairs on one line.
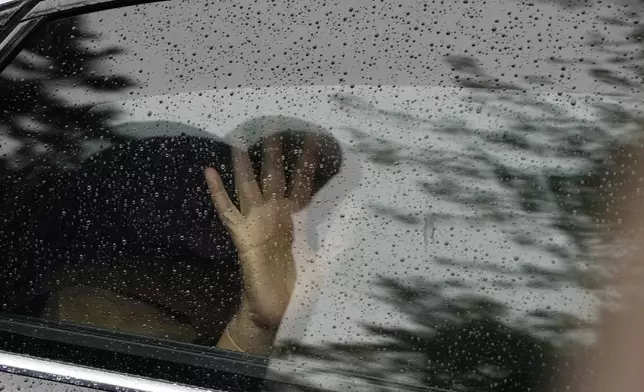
[[137, 216]]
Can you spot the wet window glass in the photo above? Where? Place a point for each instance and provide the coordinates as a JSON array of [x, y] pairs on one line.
[[392, 194]]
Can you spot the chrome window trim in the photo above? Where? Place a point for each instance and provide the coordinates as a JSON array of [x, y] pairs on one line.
[[51, 7], [4, 4], [11, 44], [14, 12], [86, 377], [175, 352]]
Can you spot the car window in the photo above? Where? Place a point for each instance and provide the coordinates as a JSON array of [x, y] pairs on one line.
[[445, 171]]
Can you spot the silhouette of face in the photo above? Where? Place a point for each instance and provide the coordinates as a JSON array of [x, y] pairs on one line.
[[329, 155]]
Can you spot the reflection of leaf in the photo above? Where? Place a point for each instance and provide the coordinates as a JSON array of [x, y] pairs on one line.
[[511, 139], [609, 77], [544, 276], [386, 156], [558, 251], [465, 64], [442, 187], [474, 265], [395, 215], [111, 51], [523, 239], [613, 21], [567, 3], [349, 101], [487, 85], [613, 114], [61, 56], [107, 83], [559, 323], [537, 79]]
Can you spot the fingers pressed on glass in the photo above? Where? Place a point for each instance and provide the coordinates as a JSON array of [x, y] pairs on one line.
[[248, 190], [223, 205], [301, 189], [273, 179]]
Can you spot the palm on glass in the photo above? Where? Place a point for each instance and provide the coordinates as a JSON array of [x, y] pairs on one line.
[[262, 227]]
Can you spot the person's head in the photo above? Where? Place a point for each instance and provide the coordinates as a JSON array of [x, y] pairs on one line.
[[328, 155], [338, 175], [251, 135]]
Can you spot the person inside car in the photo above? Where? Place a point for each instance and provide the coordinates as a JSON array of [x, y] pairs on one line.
[[178, 237]]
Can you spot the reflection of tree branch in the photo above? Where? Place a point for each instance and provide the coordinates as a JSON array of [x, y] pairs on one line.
[[48, 129], [608, 76], [351, 102], [475, 75], [455, 343], [561, 200], [461, 343]]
